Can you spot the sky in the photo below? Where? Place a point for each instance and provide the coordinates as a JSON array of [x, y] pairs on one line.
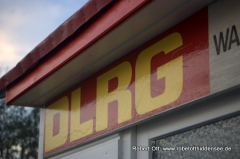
[[25, 23]]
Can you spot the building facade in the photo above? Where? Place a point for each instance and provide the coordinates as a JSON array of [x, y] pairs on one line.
[[136, 79]]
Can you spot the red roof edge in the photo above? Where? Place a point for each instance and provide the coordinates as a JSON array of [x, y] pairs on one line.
[[65, 30]]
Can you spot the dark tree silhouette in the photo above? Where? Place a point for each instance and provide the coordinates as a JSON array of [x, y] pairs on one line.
[[19, 131]]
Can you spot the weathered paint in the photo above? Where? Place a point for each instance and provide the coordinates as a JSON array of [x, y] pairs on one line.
[[111, 18], [77, 129], [171, 72], [57, 113], [122, 74], [167, 71], [63, 32]]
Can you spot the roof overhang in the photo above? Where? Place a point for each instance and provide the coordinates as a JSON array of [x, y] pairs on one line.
[[112, 33]]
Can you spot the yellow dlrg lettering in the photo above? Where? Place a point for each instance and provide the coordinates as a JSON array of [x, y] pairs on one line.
[[60, 107], [78, 130], [172, 71], [124, 73]]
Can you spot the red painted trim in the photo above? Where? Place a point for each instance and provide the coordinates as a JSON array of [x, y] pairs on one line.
[[64, 31], [111, 18]]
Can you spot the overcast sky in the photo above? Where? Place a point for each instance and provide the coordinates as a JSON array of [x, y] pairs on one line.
[[25, 23]]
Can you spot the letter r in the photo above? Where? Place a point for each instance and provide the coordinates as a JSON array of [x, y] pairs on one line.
[[124, 74]]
